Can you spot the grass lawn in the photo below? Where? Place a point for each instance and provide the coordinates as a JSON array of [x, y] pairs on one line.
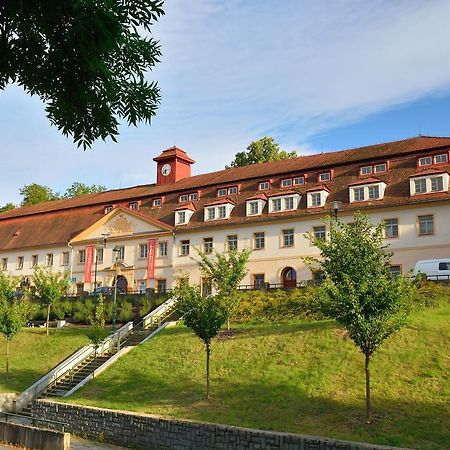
[[298, 377], [33, 354]]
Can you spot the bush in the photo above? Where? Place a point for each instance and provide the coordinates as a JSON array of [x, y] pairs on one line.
[[431, 294], [83, 310], [125, 312], [277, 306]]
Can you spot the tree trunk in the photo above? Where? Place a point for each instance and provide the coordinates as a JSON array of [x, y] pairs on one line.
[[208, 354], [228, 325], [7, 359], [368, 408], [48, 317]]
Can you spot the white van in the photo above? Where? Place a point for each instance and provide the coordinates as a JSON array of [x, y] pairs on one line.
[[434, 269]]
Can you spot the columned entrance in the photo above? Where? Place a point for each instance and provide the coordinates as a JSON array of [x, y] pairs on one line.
[[289, 278]]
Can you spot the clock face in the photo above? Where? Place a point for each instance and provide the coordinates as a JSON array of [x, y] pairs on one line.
[[166, 169]]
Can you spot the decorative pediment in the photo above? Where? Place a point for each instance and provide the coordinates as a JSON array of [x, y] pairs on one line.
[[121, 222]]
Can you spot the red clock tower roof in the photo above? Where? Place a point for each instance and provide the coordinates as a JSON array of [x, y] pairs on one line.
[[179, 162]]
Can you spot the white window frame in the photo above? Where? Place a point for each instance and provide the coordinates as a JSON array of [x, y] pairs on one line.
[[248, 207], [325, 176], [298, 181], [443, 156], [323, 198], [384, 170], [208, 245], [183, 216], [108, 209], [264, 186], [428, 183], [143, 251], [65, 258], [185, 247], [288, 238], [222, 192], [425, 161], [233, 190], [261, 238], [235, 238], [183, 198], [157, 202], [280, 203], [134, 205], [163, 249], [366, 170], [286, 182], [366, 189], [212, 213]]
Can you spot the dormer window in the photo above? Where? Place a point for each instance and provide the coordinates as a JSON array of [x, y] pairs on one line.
[[374, 168], [441, 159], [371, 189], [218, 210], [264, 186], [183, 198], [108, 209], [299, 181], [425, 161], [157, 201], [366, 170], [316, 197], [285, 202], [134, 205], [286, 182], [232, 190], [435, 159], [193, 196], [181, 217], [324, 176], [183, 214], [380, 168], [254, 206], [221, 192], [429, 183]]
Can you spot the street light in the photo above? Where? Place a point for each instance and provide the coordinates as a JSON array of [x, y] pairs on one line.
[[335, 206], [116, 251]]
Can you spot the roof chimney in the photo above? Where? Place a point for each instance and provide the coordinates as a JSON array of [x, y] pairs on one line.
[[173, 164]]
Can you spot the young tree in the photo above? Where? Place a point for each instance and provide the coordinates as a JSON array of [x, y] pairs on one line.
[[262, 150], [8, 207], [14, 313], [78, 189], [225, 271], [34, 193], [97, 331], [204, 315], [87, 60], [49, 288], [358, 289]]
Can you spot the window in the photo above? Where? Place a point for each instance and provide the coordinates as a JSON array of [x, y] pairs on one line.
[[289, 203], [299, 180], [119, 253], [157, 202], [206, 287], [254, 208], [288, 238], [437, 184], [441, 159], [420, 186], [444, 265], [258, 280], [325, 176], [211, 213], [65, 259], [134, 205], [391, 228], [81, 256], [264, 186], [425, 161], [161, 286], [19, 262], [395, 271], [366, 170], [232, 190], [258, 240], [276, 204], [286, 182], [222, 212], [320, 232], [143, 250], [99, 252], [426, 226], [163, 249], [208, 245], [4, 263], [232, 241], [183, 198], [142, 286], [374, 192], [221, 192], [108, 209], [380, 168], [194, 196], [181, 217], [34, 261], [316, 199], [358, 194], [49, 260], [185, 247]]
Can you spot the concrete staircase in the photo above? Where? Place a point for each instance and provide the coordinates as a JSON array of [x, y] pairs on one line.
[[77, 374]]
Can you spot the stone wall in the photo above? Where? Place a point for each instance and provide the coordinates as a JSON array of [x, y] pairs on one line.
[[7, 402], [145, 431]]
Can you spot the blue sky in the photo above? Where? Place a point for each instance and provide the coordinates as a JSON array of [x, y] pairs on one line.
[[317, 75]]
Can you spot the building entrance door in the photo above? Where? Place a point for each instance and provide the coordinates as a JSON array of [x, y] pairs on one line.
[[289, 278]]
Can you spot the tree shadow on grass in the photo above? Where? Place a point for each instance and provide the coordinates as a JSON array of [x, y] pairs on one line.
[[19, 379], [276, 406]]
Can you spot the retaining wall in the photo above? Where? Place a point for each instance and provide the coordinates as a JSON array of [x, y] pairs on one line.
[[144, 431], [28, 437]]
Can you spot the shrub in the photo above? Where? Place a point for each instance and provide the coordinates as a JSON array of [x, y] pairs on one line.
[[125, 312], [83, 310], [431, 294]]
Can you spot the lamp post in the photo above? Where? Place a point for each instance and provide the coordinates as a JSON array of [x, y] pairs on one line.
[[116, 251], [335, 208]]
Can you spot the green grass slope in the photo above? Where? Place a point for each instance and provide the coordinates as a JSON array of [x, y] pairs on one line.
[[33, 354], [298, 377]]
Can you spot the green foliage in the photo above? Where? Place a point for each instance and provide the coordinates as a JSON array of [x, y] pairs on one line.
[[34, 193], [86, 60], [78, 189], [278, 306], [262, 150], [83, 310], [8, 207], [49, 287], [125, 312], [97, 331], [359, 290]]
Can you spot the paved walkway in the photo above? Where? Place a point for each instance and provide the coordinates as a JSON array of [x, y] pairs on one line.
[[77, 443]]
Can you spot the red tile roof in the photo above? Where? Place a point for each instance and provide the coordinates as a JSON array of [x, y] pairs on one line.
[[366, 181], [422, 173], [222, 201], [320, 187]]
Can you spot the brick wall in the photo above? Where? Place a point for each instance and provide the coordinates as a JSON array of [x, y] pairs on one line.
[[145, 431]]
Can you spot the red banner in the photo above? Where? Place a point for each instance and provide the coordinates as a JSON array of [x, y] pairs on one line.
[[151, 250], [88, 263]]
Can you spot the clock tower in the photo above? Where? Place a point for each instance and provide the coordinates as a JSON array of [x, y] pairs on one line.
[[173, 164]]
